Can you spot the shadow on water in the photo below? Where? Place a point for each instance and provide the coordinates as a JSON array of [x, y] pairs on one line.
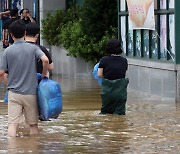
[[152, 125]]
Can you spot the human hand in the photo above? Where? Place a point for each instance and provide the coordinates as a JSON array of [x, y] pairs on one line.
[[6, 42], [45, 75], [29, 15]]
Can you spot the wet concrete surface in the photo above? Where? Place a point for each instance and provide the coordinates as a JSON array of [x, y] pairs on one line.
[[151, 125]]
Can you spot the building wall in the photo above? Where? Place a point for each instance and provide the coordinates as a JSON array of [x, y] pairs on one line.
[[151, 53], [153, 78], [158, 44], [69, 66], [29, 5]]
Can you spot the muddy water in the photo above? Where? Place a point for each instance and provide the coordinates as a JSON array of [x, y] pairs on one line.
[[152, 125]]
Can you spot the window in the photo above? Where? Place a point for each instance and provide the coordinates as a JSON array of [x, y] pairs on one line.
[[148, 44]]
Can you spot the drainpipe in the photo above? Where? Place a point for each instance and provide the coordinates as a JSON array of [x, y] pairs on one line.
[[41, 3], [177, 48]]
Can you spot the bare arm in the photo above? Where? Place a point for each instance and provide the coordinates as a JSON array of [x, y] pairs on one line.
[[51, 67], [45, 63], [32, 20], [3, 35], [2, 13], [2, 72], [100, 72], [6, 35]]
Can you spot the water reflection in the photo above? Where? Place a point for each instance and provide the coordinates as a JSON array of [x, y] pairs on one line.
[[152, 125], [178, 106], [22, 144]]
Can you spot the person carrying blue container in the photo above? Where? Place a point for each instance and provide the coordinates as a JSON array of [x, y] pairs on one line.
[[49, 94], [19, 60], [32, 34], [112, 69]]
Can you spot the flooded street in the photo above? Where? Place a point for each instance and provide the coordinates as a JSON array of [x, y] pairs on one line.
[[152, 125]]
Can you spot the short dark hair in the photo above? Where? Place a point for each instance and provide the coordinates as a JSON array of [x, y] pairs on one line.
[[25, 9], [32, 29], [113, 46], [14, 12], [21, 11], [17, 29]]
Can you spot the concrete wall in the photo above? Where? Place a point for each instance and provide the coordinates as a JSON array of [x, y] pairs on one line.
[[29, 5], [153, 78], [69, 66], [51, 5]]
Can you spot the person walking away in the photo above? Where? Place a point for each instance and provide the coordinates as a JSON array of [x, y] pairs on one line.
[[32, 34], [112, 69], [19, 60]]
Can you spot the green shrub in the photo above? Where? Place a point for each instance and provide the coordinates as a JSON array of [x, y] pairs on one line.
[[52, 24], [83, 31], [81, 45], [98, 16]]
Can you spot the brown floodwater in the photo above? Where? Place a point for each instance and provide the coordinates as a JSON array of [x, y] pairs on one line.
[[152, 125]]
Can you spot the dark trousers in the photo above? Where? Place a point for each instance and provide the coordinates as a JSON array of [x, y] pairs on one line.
[[114, 96]]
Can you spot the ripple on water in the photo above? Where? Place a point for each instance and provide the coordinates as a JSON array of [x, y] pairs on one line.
[[150, 126]]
